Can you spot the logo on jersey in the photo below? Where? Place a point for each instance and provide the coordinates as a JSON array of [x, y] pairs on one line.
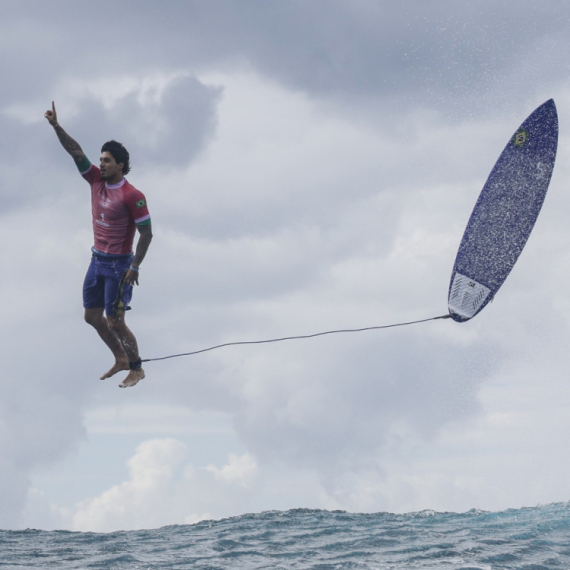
[[140, 203], [102, 221]]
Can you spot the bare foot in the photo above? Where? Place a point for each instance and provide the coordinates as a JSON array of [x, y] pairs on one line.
[[119, 365], [132, 378]]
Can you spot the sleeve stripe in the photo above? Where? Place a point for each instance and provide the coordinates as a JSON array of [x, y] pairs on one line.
[[143, 219], [84, 166]]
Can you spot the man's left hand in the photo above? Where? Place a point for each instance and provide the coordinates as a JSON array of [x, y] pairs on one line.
[[132, 277]]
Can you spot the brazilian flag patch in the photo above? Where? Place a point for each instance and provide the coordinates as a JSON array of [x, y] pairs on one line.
[[521, 138], [140, 203]]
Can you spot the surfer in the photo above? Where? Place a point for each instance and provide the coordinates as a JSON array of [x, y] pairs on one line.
[[118, 209]]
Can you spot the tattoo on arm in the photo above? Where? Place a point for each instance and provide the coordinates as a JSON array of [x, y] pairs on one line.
[[69, 144]]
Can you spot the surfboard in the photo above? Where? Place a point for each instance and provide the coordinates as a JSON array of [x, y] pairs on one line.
[[504, 215]]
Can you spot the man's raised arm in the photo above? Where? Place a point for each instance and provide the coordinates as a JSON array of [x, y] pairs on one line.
[[69, 144]]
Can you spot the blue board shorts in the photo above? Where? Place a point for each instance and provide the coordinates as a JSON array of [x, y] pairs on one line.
[[104, 284]]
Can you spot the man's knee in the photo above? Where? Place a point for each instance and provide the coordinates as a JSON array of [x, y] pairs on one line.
[[116, 322], [94, 317]]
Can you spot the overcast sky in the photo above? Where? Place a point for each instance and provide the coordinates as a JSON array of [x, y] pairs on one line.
[[309, 165]]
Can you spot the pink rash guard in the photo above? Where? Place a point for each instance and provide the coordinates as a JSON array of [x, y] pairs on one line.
[[117, 210]]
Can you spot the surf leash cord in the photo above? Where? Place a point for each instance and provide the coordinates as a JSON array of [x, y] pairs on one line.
[[298, 337]]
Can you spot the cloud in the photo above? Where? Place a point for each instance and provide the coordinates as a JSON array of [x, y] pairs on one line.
[[164, 489], [128, 505], [472, 57], [238, 469], [337, 406], [163, 126], [46, 362]]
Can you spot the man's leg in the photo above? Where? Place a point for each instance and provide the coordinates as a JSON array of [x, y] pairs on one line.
[[96, 319], [128, 341]]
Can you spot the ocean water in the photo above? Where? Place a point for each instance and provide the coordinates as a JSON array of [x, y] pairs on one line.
[[529, 539]]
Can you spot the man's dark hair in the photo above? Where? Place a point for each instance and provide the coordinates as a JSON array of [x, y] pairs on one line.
[[119, 153]]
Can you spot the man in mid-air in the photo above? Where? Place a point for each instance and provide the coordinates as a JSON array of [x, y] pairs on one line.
[[118, 209]]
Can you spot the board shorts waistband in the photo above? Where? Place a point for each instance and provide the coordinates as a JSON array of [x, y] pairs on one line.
[[110, 256]]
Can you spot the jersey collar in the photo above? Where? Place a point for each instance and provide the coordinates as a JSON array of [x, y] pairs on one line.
[[117, 185]]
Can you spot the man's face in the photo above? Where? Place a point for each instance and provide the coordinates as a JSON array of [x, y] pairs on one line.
[[110, 170]]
